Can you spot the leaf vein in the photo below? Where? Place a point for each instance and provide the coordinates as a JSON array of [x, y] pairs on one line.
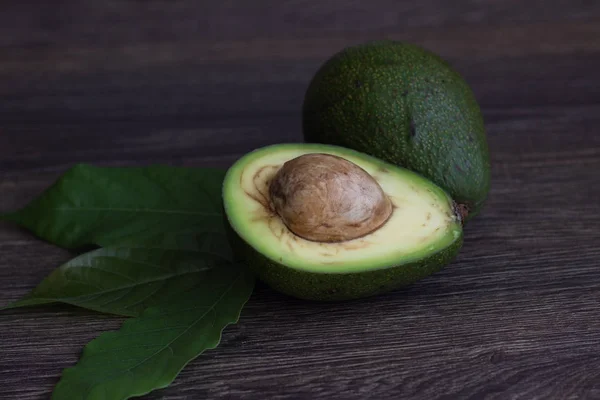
[[126, 291], [159, 287]]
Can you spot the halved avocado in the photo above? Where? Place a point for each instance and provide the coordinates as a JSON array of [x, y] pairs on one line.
[[302, 221]]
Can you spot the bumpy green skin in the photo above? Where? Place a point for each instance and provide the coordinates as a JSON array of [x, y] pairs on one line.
[[407, 106], [338, 287]]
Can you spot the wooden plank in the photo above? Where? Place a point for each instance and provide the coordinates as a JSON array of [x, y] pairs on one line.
[[484, 41], [36, 23], [530, 136], [198, 84], [270, 88]]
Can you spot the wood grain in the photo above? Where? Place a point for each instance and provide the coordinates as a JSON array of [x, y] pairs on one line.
[[199, 84]]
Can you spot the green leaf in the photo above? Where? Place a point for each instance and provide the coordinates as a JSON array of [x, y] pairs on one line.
[[149, 351], [126, 206], [124, 281]]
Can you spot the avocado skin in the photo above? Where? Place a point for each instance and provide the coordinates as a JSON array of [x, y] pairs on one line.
[[337, 287], [407, 106]]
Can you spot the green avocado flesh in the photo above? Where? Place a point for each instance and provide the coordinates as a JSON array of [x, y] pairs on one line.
[[422, 234], [407, 106]]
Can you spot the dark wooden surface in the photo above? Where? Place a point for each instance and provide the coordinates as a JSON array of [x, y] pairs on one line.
[[200, 83]]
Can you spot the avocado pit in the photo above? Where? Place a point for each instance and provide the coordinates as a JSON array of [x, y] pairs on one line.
[[326, 198]]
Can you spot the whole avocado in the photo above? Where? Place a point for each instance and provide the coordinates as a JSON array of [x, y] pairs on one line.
[[407, 106]]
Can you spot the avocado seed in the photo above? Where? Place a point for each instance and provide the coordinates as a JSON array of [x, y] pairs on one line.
[[325, 198]]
